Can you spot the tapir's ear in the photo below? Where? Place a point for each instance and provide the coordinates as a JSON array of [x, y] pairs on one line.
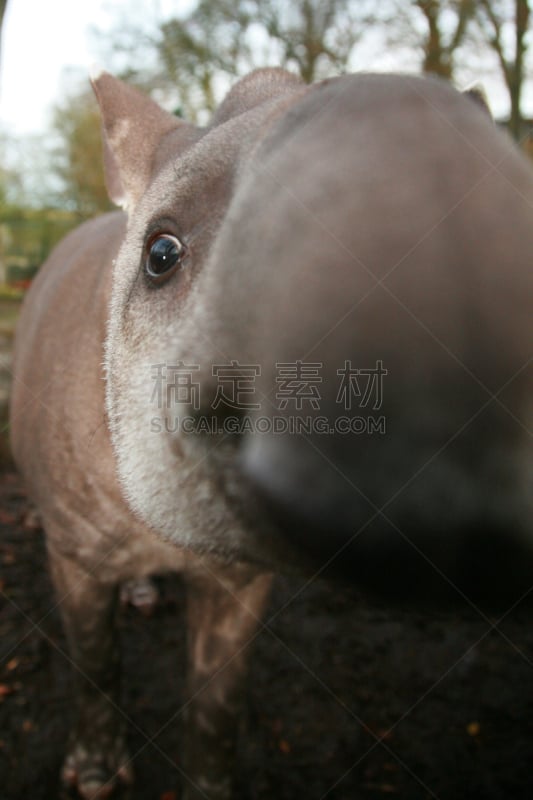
[[133, 126], [478, 95]]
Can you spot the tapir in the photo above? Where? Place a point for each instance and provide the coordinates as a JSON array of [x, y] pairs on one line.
[[303, 345]]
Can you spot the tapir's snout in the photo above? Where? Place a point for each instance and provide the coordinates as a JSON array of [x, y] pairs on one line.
[[445, 535], [385, 289]]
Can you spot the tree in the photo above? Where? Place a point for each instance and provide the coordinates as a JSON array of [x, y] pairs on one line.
[[439, 46], [457, 36], [315, 38], [198, 54], [504, 25], [3, 4], [77, 155], [194, 52], [434, 29], [12, 189]]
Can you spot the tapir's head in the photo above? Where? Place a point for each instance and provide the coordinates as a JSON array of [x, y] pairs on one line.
[[319, 336]]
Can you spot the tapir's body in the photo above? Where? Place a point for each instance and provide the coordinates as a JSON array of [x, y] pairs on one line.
[[369, 219], [75, 470], [94, 541]]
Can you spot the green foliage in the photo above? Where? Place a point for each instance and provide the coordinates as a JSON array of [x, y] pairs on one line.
[[77, 157], [10, 179], [26, 237], [8, 292]]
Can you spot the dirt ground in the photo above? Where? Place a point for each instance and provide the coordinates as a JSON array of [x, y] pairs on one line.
[[345, 699]]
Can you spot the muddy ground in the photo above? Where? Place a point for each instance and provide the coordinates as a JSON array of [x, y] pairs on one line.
[[345, 699]]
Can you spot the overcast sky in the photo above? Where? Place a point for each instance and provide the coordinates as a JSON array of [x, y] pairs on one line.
[[39, 40], [43, 38]]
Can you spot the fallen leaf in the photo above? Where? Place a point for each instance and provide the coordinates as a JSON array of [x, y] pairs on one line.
[[284, 746], [384, 788], [276, 725], [473, 728], [390, 766]]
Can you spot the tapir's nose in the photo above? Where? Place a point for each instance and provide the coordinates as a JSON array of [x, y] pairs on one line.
[[440, 540]]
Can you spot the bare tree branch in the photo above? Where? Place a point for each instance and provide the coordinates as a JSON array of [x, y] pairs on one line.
[[492, 19], [3, 5], [437, 28], [197, 53], [464, 15]]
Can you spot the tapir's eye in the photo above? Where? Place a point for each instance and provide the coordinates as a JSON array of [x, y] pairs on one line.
[[165, 252]]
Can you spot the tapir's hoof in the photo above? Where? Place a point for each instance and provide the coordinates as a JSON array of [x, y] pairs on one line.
[[95, 775], [142, 593]]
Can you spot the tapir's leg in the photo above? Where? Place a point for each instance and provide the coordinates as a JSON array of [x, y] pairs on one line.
[[224, 610], [97, 756]]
